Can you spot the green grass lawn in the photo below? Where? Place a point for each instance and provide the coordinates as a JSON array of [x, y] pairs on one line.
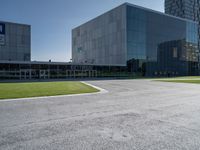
[[193, 79], [37, 89]]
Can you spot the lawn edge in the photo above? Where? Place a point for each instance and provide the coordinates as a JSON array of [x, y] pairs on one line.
[[101, 91]]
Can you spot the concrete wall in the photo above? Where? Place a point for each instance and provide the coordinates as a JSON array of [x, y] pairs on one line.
[[102, 40], [17, 42]]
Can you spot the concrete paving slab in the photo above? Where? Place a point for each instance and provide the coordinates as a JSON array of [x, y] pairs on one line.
[[133, 114]]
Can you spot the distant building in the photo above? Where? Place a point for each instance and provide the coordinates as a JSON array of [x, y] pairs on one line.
[[15, 42], [188, 9], [131, 36]]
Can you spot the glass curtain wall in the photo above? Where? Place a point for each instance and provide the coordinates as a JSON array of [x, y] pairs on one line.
[[160, 45]]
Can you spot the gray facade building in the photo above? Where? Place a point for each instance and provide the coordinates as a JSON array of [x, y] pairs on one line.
[[15, 42], [102, 40], [138, 38]]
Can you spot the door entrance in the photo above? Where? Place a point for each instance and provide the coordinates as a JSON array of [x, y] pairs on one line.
[[44, 74], [25, 74]]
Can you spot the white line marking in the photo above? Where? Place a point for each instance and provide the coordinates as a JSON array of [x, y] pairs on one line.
[[101, 91]]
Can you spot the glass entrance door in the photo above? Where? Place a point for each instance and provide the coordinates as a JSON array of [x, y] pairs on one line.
[[25, 74], [44, 74]]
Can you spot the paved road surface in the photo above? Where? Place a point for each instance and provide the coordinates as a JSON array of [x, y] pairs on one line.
[[134, 114]]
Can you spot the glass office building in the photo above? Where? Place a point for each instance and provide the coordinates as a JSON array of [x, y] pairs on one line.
[[126, 41], [147, 42]]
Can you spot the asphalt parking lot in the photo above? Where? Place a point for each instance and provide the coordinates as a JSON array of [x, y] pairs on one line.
[[133, 114]]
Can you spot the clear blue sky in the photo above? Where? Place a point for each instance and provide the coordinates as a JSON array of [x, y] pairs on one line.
[[52, 20]]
